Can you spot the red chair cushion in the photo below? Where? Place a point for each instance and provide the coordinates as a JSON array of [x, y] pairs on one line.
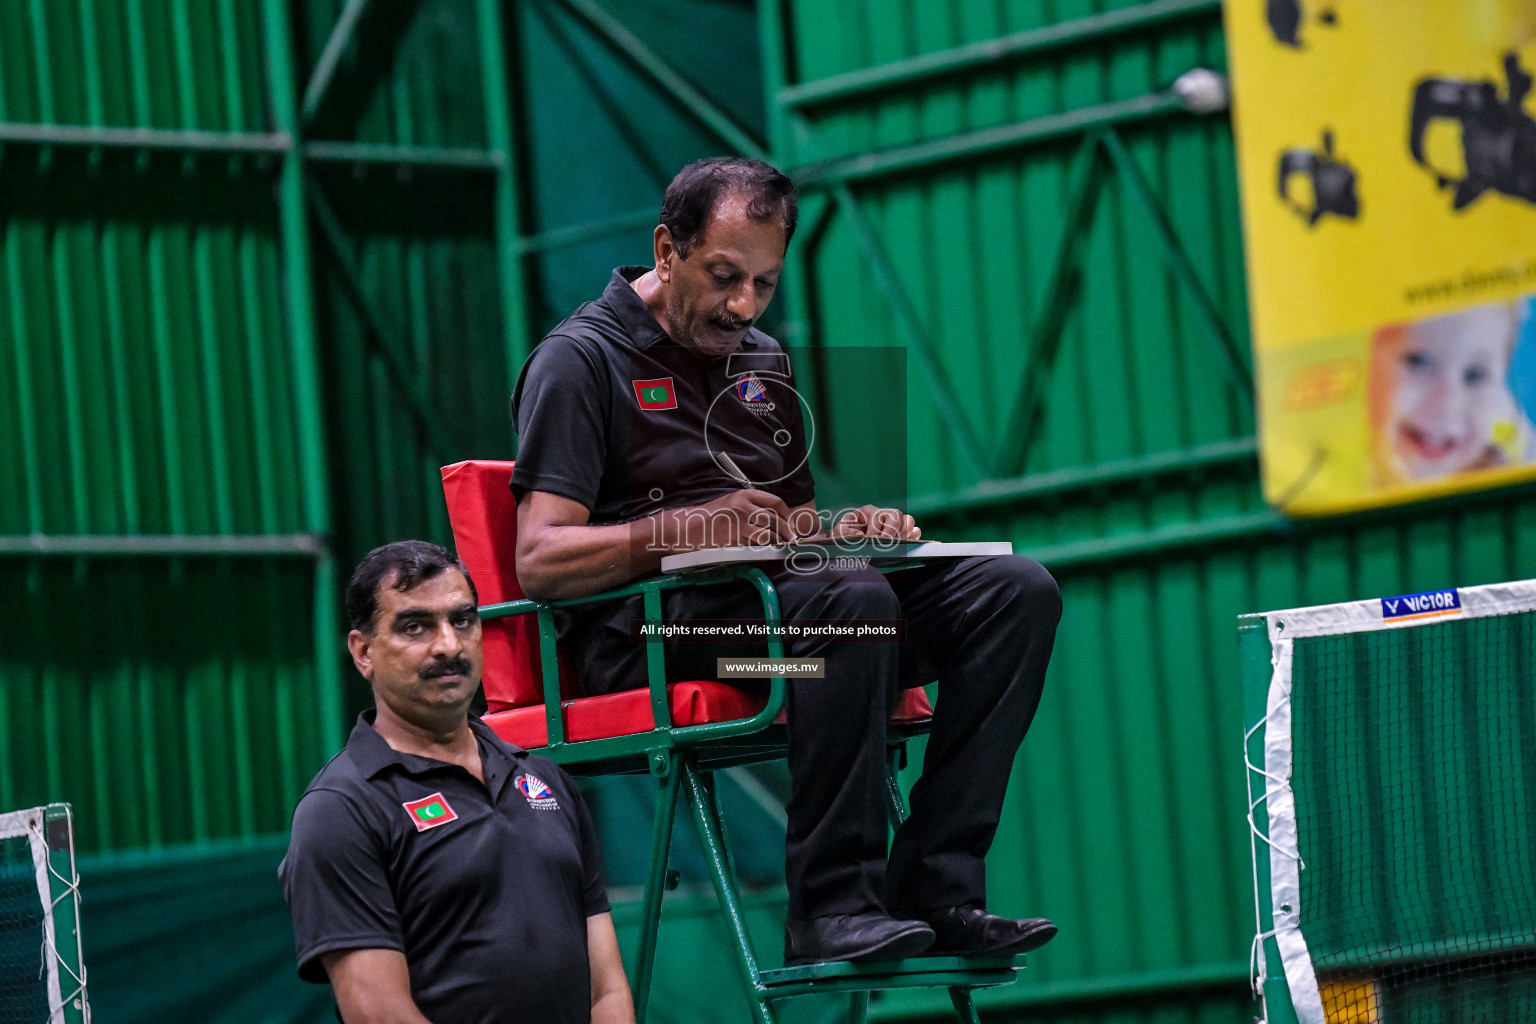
[[629, 712], [483, 515]]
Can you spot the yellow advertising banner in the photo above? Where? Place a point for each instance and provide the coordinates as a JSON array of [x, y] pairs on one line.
[[1387, 156]]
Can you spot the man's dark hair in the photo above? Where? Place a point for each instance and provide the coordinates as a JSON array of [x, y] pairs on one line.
[[699, 187], [411, 562]]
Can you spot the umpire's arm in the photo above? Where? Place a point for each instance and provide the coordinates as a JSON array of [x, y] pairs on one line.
[[372, 986], [611, 1001], [560, 555]]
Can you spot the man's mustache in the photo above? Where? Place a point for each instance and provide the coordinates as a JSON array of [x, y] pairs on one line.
[[730, 323], [446, 667]]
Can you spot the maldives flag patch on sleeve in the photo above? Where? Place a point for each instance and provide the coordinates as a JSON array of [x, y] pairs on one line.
[[655, 394], [429, 812]]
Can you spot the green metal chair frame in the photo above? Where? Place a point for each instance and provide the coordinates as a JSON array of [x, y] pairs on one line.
[[684, 759]]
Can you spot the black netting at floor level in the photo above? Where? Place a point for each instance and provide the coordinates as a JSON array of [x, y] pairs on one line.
[[23, 987], [1503, 990], [1415, 783]]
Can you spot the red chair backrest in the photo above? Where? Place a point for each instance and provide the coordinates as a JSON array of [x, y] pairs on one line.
[[483, 515]]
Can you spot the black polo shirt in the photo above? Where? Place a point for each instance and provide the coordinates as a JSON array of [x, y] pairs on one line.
[[614, 414], [486, 889]]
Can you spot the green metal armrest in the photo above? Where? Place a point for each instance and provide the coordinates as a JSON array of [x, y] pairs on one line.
[[651, 590]]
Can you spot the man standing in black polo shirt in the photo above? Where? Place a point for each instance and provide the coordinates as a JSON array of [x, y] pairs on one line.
[[658, 419], [436, 873]]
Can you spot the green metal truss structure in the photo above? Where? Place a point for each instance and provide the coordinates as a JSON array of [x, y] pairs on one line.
[[311, 250], [303, 209], [997, 477], [997, 472], [1157, 540], [832, 188], [313, 240]]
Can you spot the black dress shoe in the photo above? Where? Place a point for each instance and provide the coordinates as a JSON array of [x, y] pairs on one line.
[[969, 931], [867, 936]]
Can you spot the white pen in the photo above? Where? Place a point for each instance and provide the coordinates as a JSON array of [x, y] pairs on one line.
[[734, 470]]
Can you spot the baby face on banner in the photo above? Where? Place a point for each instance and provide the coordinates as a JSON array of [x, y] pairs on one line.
[[1451, 409]]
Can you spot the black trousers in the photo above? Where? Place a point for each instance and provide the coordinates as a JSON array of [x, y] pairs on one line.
[[983, 627]]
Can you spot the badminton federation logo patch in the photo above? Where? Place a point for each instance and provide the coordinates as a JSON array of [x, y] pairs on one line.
[[540, 796], [1430, 604], [429, 812], [750, 389], [754, 395]]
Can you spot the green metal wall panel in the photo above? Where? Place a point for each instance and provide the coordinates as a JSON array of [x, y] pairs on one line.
[[167, 64], [149, 400], [603, 139], [142, 311], [160, 535], [1136, 480], [421, 379], [974, 242], [172, 703], [410, 77], [444, 206], [408, 294], [1124, 820]]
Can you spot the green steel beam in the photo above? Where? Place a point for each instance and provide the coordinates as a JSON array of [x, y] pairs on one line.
[[773, 41], [1250, 528], [44, 53], [1166, 540], [1178, 263], [1024, 422], [330, 58], [797, 326], [1065, 483], [90, 43], [989, 53], [304, 345], [911, 327], [427, 158], [795, 282], [87, 137], [308, 545], [502, 134], [987, 142], [577, 234], [386, 340], [795, 285], [654, 67], [23, 398]]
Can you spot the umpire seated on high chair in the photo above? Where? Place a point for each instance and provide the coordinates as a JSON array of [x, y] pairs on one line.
[[658, 419]]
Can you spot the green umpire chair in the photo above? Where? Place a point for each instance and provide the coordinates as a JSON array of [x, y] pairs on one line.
[[679, 733]]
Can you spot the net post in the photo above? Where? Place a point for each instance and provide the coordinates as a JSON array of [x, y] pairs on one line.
[[64, 885], [1254, 660]]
